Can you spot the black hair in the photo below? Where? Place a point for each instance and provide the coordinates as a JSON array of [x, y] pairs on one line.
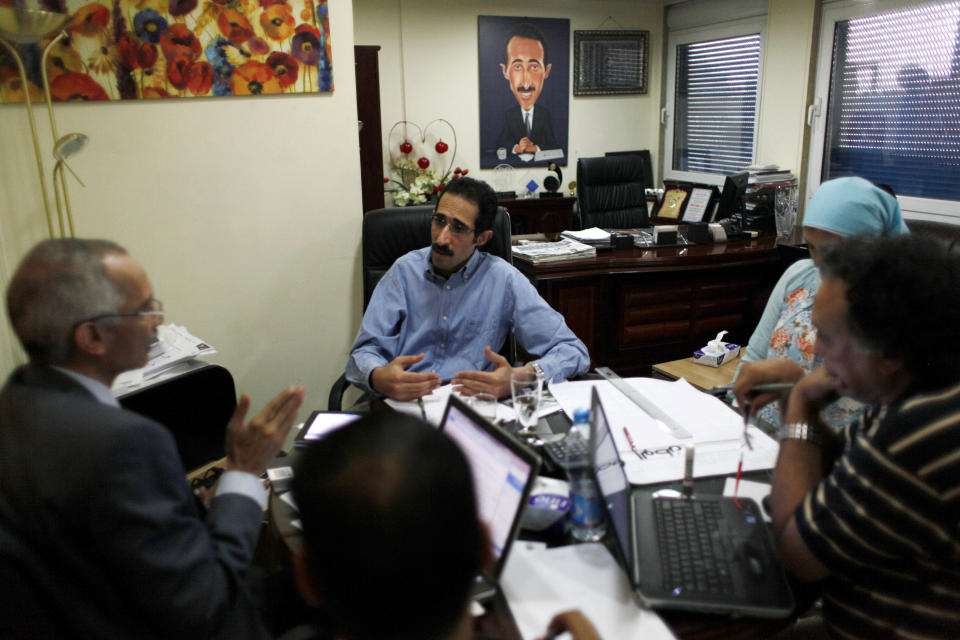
[[480, 194], [903, 297], [525, 30], [385, 501]]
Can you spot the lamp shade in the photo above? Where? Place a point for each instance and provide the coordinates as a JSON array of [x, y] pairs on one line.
[[24, 26]]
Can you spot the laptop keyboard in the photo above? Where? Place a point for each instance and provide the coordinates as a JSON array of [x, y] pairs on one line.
[[694, 554]]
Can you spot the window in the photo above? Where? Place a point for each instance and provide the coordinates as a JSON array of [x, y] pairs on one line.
[[714, 84], [891, 85]]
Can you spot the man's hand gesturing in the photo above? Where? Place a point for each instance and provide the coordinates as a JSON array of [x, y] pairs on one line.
[[250, 447], [395, 382]]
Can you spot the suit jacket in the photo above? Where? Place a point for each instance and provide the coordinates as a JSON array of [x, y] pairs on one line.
[[513, 129], [100, 536]]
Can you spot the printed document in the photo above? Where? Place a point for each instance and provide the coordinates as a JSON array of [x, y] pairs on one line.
[[658, 456]]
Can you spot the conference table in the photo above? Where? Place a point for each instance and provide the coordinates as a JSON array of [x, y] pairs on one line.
[[497, 622]]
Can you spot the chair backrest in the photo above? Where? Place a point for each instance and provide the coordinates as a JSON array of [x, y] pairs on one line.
[[195, 406], [644, 155], [390, 233], [610, 192]]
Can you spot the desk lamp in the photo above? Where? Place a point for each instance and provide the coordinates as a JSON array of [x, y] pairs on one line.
[[28, 26]]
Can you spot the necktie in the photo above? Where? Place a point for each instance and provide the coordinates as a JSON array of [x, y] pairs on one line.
[[526, 122]]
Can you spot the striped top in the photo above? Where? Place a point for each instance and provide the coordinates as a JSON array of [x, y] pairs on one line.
[[884, 522]]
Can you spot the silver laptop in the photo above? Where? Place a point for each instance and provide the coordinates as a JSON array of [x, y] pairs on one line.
[[503, 475], [700, 553]]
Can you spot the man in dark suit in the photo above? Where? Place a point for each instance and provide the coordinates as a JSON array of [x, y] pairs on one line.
[[99, 534], [526, 128]]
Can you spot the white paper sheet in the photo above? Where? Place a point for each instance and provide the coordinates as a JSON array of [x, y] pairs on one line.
[[433, 405], [716, 428], [540, 584]]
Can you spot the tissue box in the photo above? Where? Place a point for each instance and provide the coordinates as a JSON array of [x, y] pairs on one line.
[[731, 351], [547, 505]]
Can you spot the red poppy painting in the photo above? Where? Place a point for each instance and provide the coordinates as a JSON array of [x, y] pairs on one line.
[[150, 49]]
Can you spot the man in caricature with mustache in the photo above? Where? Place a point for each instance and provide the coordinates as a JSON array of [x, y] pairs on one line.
[[526, 128]]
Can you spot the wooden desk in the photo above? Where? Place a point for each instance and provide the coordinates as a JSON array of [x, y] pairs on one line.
[[540, 215], [699, 375], [637, 307]]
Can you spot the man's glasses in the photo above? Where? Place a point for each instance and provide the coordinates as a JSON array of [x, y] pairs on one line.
[[439, 221], [153, 309]]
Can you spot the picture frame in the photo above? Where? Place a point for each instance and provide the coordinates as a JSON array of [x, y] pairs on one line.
[[701, 205], [608, 63], [670, 209]]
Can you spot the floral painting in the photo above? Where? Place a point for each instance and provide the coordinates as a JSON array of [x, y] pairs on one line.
[[135, 49]]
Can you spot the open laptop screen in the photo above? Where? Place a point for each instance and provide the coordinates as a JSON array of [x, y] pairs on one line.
[[502, 477], [611, 477]]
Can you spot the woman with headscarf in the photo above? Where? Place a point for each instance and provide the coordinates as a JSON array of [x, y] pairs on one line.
[[785, 336]]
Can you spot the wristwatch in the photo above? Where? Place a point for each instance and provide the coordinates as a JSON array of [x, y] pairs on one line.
[[538, 369], [801, 431]]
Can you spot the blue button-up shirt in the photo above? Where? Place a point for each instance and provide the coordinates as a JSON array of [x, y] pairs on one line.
[[415, 310]]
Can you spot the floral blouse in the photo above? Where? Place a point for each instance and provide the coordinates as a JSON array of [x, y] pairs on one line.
[[786, 331]]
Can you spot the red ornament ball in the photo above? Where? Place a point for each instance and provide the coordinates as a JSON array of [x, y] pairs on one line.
[[441, 147], [423, 163], [386, 180], [406, 146], [464, 172]]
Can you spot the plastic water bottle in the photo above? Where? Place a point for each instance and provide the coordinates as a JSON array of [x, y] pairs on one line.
[[586, 508]]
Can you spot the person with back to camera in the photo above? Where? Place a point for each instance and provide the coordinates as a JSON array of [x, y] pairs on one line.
[[783, 340], [391, 537]]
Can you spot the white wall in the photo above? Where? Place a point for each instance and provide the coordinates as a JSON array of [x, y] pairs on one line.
[[429, 55], [787, 84], [245, 212]]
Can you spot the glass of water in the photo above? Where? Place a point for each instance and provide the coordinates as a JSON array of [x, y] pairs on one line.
[[526, 387]]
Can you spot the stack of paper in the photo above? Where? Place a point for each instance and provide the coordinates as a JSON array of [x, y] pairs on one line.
[[717, 430], [541, 584], [566, 249], [174, 345], [594, 236]]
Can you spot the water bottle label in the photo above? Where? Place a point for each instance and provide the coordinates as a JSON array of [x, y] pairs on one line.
[[587, 509]]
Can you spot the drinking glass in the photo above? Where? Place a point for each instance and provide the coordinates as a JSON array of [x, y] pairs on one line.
[[485, 404], [526, 386]]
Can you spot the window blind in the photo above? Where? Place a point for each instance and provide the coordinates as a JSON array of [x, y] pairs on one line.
[[716, 104], [893, 113]]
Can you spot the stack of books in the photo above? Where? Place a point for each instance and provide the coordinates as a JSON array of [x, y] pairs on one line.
[[565, 249]]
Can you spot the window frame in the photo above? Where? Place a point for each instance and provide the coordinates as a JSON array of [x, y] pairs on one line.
[[834, 12], [732, 29]]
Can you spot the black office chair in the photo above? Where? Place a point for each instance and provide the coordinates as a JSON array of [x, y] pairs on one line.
[[610, 192], [195, 406], [392, 232], [645, 157]]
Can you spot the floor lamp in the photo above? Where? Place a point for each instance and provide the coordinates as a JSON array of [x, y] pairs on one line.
[[26, 26]]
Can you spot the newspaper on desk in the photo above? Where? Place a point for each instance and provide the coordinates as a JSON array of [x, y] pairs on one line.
[[174, 345], [565, 249], [717, 430]]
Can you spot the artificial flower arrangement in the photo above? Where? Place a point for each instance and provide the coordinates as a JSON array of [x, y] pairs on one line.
[[420, 181]]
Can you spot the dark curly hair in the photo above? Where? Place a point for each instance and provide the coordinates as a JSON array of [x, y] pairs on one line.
[[903, 296]]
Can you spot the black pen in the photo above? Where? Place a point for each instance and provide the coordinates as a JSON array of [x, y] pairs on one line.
[[423, 412], [767, 387]]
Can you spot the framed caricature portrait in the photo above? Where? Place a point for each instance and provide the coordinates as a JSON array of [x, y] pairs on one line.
[[524, 73]]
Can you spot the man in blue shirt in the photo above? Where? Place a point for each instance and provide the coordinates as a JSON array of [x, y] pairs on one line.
[[441, 313]]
